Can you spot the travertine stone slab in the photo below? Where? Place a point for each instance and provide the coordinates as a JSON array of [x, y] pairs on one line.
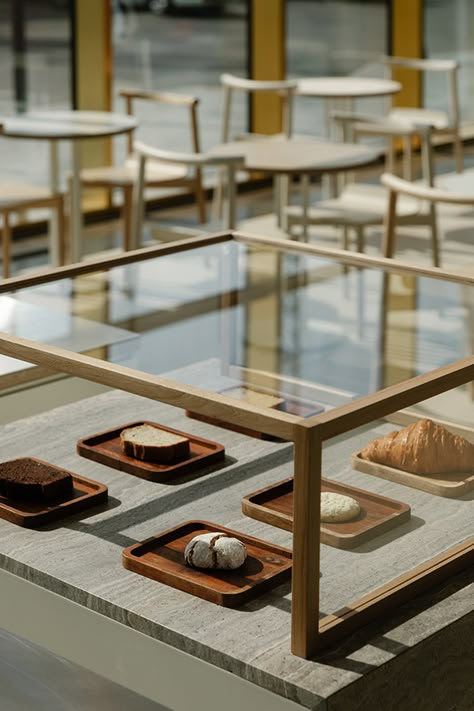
[[80, 558]]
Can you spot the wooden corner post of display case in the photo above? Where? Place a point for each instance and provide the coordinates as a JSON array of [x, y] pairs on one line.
[[306, 540]]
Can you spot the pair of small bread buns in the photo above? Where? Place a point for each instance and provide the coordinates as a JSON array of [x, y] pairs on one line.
[[215, 550], [337, 508], [152, 444], [422, 448]]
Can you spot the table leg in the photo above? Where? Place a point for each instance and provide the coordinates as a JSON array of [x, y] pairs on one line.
[[54, 247], [75, 225]]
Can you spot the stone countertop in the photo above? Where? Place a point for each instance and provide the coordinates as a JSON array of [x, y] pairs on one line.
[[80, 557]]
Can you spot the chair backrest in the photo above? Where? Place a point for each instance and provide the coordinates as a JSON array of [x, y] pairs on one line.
[[230, 163], [425, 192], [398, 186], [357, 124], [284, 88], [170, 99], [450, 67]]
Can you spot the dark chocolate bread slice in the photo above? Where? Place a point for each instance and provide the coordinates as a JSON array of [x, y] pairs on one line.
[[29, 479]]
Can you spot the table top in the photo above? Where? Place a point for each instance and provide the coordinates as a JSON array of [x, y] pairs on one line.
[[63, 124], [350, 87], [80, 558], [330, 332], [298, 155]]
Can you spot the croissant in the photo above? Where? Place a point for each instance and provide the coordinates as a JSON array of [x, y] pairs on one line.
[[422, 448]]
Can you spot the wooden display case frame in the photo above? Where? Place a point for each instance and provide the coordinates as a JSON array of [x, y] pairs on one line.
[[309, 633]]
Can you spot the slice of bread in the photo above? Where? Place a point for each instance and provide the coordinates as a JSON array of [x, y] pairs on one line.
[[152, 444], [30, 479], [254, 397]]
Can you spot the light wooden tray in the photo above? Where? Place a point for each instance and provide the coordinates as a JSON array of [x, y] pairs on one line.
[[274, 505], [162, 558], [450, 485]]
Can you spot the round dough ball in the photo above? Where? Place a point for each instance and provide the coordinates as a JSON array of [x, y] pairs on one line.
[[215, 550], [336, 508]]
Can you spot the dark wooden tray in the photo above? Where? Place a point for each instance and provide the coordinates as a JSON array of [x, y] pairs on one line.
[[162, 558], [105, 448], [274, 505], [293, 406], [449, 484], [86, 493]]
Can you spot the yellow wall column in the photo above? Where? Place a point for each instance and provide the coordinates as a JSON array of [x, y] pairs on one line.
[[407, 41], [267, 60], [93, 76]]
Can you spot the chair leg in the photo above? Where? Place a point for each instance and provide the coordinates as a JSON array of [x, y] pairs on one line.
[[434, 235], [360, 238], [407, 158], [345, 237], [61, 229], [218, 196], [200, 198], [458, 152], [6, 239], [127, 209], [388, 243]]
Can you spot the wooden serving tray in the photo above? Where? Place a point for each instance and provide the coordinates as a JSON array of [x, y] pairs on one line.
[[450, 485], [162, 558], [274, 505], [105, 448], [293, 406], [86, 493]]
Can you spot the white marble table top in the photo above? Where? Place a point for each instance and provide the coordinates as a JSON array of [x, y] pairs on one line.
[[350, 87], [64, 124], [298, 155]]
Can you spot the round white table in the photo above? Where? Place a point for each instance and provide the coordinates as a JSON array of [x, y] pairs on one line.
[[72, 126], [298, 156], [337, 90], [347, 87]]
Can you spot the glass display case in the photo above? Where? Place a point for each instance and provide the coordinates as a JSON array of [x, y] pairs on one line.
[[288, 342]]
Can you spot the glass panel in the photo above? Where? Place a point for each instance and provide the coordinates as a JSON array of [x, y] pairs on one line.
[[307, 331], [184, 50], [411, 510], [40, 32], [338, 38]]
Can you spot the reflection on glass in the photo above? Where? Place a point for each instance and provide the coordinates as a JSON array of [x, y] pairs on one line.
[[301, 328]]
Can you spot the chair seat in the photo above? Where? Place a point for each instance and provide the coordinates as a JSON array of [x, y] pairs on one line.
[[126, 174], [439, 120], [356, 205], [19, 194]]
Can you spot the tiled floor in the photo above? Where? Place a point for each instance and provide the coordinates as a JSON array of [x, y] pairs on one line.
[[31, 678]]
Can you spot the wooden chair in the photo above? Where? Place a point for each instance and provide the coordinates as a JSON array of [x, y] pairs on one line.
[[360, 205], [442, 122], [284, 89], [396, 187], [193, 162], [18, 197], [158, 174]]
